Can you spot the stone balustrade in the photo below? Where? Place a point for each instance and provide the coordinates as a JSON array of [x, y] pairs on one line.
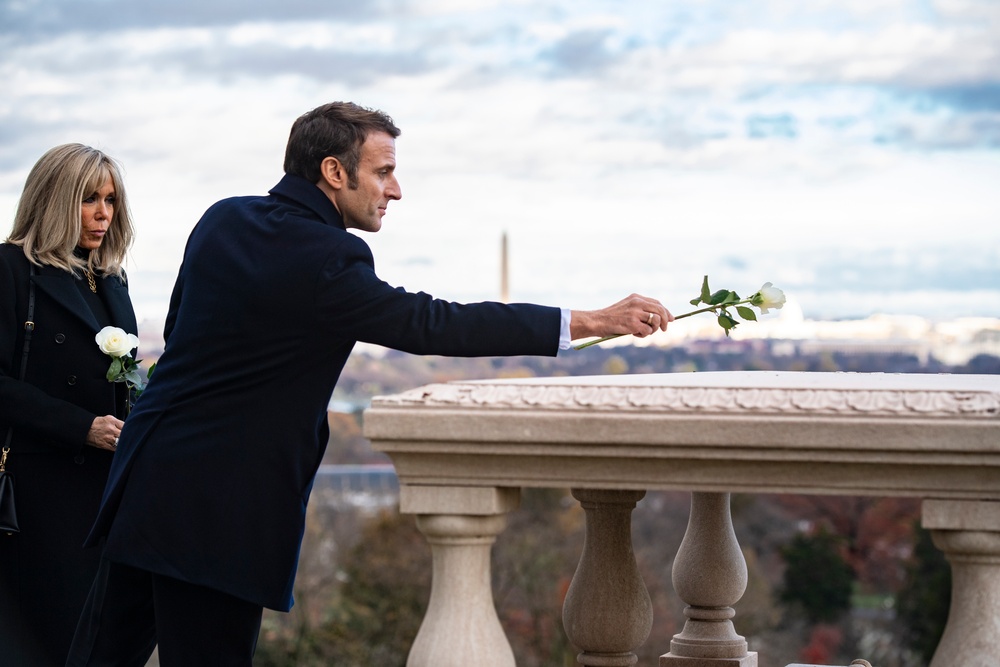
[[464, 450]]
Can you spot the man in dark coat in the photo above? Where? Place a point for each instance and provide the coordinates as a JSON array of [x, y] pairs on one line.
[[205, 506]]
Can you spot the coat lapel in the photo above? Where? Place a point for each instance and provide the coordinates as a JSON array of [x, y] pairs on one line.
[[59, 285], [119, 304]]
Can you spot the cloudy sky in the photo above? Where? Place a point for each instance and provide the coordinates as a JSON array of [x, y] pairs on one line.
[[847, 151]]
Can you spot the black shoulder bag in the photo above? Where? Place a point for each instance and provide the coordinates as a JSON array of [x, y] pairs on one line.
[[8, 513]]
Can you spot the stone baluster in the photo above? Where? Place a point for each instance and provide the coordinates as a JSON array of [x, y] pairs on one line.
[[607, 612], [710, 575], [968, 532], [461, 626]]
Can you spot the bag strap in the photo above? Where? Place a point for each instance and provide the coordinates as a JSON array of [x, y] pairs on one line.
[[29, 328], [29, 324]]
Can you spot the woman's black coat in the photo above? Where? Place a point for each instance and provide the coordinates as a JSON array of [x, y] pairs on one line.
[[45, 573]]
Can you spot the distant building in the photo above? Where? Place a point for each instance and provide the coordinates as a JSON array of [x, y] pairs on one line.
[[364, 488], [952, 342]]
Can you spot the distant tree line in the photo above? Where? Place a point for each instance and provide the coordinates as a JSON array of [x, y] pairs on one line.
[[367, 375]]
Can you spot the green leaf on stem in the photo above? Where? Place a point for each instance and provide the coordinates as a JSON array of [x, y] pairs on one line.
[[114, 370], [719, 298], [727, 322], [746, 313], [706, 294]]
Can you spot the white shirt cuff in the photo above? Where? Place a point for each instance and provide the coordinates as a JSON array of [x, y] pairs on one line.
[[564, 338]]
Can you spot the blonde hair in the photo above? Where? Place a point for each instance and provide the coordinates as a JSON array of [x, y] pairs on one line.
[[48, 222]]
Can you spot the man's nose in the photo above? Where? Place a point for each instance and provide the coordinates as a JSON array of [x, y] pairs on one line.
[[394, 191]]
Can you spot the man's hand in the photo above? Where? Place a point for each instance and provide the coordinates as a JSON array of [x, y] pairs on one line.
[[635, 314]]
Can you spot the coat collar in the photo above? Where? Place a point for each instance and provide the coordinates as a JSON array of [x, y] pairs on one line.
[[303, 192]]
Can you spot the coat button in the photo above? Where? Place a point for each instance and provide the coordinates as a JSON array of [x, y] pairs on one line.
[[78, 459], [60, 338], [71, 380]]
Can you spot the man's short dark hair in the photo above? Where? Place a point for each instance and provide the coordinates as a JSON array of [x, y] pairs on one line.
[[335, 130]]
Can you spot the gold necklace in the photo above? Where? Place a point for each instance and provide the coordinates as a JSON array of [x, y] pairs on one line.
[[90, 281]]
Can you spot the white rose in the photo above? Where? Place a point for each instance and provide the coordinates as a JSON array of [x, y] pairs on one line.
[[767, 297], [114, 342]]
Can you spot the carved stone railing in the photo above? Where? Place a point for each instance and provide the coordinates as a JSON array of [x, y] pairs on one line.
[[464, 450]]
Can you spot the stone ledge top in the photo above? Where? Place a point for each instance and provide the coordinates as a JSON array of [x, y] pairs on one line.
[[966, 396]]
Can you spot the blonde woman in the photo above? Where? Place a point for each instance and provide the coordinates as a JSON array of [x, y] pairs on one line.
[[63, 261]]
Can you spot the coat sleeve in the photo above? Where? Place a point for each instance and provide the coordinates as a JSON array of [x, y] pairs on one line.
[[175, 300], [358, 305]]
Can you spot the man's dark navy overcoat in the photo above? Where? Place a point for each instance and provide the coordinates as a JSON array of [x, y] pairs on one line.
[[215, 464]]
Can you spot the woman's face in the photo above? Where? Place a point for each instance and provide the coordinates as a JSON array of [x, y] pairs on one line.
[[96, 212]]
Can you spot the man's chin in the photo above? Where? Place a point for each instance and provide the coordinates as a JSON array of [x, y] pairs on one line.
[[364, 226]]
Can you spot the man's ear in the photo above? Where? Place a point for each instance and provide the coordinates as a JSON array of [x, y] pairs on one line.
[[332, 172]]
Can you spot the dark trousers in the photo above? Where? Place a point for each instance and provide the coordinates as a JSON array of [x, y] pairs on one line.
[[131, 611]]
